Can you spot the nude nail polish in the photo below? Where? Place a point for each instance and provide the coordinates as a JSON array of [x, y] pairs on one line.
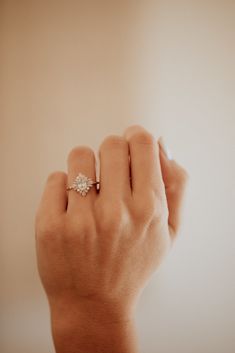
[[165, 149]]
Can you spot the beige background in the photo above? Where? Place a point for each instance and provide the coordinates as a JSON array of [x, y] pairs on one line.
[[73, 72]]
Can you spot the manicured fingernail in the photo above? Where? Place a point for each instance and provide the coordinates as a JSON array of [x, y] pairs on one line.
[[165, 149]]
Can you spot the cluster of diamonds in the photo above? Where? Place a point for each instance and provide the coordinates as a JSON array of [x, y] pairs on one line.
[[82, 184]]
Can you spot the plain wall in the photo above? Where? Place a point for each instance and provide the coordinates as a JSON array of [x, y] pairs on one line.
[[73, 72]]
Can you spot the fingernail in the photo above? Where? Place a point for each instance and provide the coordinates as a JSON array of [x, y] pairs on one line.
[[165, 149]]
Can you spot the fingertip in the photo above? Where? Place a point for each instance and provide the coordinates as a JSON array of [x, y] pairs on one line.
[[133, 129], [57, 177]]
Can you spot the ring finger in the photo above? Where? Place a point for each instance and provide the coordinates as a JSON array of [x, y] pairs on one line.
[[81, 160]]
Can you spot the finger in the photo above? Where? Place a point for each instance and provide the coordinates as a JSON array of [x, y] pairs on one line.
[[175, 178], [114, 167], [145, 164], [81, 160], [54, 197]]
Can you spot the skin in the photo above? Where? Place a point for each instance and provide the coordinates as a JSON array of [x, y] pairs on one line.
[[96, 253]]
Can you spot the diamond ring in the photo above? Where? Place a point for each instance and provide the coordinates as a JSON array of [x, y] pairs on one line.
[[82, 184]]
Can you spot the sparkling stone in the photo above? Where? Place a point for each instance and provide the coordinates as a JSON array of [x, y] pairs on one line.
[[82, 184]]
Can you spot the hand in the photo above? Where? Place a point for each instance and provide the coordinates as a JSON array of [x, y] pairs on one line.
[[96, 253]]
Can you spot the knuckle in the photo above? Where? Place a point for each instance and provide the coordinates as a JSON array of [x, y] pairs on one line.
[[47, 226], [110, 217], [142, 215], [113, 141], [143, 138], [160, 214], [151, 209], [81, 227], [81, 151], [144, 212], [182, 176]]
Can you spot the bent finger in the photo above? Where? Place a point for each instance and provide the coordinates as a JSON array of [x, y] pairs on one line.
[[175, 179]]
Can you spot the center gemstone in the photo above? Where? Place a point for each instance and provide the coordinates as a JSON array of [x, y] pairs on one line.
[[82, 184]]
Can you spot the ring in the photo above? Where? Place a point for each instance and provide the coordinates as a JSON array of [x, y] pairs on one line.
[[82, 184]]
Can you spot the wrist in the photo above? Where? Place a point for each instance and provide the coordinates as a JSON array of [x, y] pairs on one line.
[[85, 325], [102, 312]]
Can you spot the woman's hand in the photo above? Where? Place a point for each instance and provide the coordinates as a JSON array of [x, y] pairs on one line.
[[96, 253]]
